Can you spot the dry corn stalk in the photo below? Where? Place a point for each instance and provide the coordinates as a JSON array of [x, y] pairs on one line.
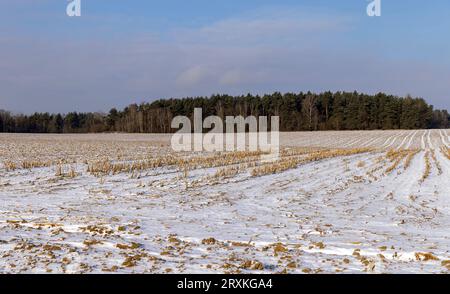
[[290, 163], [427, 171]]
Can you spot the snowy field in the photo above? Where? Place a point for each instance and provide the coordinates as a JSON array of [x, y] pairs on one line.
[[336, 202]]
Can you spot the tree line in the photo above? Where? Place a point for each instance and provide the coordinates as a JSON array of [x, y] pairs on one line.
[[297, 111]]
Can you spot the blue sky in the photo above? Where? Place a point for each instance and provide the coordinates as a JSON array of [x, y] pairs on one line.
[[119, 52]]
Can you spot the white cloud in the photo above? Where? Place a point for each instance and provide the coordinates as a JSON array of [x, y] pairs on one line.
[[232, 78], [192, 76], [283, 51]]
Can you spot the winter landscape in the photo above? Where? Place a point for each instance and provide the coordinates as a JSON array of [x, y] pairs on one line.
[[335, 202], [334, 115]]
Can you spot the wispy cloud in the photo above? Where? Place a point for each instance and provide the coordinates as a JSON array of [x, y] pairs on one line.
[[264, 51], [276, 27]]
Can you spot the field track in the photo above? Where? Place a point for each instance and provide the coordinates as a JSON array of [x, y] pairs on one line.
[[353, 201]]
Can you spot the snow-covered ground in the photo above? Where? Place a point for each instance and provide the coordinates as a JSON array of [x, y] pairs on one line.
[[376, 211]]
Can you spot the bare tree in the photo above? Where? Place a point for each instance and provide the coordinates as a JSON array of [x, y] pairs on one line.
[[309, 110]]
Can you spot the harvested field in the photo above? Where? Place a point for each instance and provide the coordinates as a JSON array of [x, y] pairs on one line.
[[335, 202]]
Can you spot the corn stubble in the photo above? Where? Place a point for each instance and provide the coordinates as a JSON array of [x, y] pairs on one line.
[[105, 166]]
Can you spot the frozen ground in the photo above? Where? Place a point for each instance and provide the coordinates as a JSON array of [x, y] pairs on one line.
[[65, 207]]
